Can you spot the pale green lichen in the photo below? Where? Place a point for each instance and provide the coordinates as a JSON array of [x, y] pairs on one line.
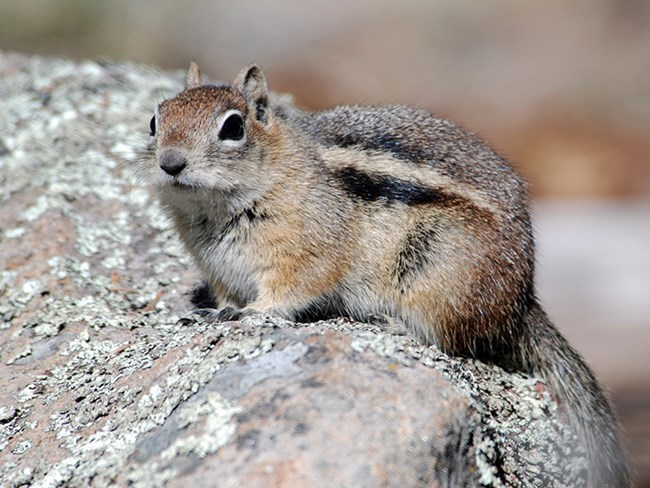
[[219, 427]]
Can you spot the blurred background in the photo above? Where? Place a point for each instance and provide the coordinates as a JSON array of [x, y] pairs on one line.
[[561, 87]]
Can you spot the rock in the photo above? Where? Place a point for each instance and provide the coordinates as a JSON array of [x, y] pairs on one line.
[[108, 379]]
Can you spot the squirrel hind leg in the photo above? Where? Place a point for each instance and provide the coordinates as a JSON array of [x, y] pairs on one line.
[[323, 308], [388, 323]]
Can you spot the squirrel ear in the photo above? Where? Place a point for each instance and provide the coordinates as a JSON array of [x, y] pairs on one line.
[[193, 77], [252, 84]]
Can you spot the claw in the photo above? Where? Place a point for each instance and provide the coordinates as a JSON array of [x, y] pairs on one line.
[[214, 315], [227, 314], [205, 312]]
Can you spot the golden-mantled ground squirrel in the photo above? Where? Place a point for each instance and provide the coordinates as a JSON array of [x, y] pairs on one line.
[[362, 211]]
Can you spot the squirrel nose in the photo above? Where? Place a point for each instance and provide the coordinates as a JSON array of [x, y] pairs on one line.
[[172, 162]]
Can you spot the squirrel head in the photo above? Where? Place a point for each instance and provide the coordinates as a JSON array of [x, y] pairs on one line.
[[212, 137]]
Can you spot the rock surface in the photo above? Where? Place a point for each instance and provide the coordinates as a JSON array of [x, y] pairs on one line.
[[107, 379]]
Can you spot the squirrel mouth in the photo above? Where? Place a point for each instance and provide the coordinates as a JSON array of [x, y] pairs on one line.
[[179, 185]]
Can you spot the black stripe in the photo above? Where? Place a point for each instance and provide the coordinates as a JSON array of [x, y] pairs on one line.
[[405, 133], [374, 187], [345, 140], [416, 251], [248, 216]]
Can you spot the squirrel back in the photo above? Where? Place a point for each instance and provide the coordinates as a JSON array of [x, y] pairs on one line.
[[365, 211]]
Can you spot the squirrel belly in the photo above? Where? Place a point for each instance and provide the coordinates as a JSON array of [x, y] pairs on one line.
[[362, 211]]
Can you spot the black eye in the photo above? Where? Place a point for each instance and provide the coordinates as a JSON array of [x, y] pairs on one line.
[[232, 128], [152, 126]]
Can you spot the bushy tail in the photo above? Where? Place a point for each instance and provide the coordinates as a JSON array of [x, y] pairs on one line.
[[549, 354]]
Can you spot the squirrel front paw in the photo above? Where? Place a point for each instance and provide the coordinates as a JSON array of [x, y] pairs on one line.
[[227, 314], [218, 315]]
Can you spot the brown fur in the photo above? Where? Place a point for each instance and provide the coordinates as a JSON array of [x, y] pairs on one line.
[[365, 211]]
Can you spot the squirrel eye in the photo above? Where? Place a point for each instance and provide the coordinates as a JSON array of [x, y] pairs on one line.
[[152, 126], [232, 128]]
